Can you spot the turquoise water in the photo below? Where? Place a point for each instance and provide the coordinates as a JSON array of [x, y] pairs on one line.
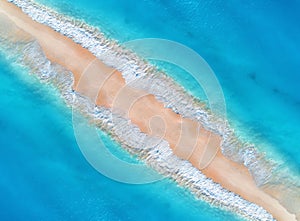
[[252, 48], [44, 176], [253, 51]]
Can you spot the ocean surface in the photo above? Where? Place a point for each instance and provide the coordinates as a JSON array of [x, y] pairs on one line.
[[252, 48], [44, 176]]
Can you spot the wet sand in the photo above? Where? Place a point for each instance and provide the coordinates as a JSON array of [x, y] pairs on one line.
[[106, 86]]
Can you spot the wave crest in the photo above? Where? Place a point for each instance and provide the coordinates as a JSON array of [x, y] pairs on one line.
[[134, 68]]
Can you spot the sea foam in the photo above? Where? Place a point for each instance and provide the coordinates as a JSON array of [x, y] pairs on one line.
[[144, 75], [134, 68]]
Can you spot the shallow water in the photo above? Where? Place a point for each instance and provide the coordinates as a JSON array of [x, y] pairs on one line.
[[240, 67], [251, 48], [44, 176]]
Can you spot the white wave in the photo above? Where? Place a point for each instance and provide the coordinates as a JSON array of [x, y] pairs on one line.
[[144, 76], [160, 155]]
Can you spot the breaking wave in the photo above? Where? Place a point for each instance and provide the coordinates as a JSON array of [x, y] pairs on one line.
[[133, 68], [159, 155]]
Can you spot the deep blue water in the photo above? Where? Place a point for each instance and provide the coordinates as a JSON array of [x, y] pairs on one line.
[[253, 49]]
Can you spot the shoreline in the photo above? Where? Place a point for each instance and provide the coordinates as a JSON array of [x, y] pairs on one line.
[[62, 50]]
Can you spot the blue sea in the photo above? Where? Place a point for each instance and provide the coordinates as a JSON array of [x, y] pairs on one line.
[[252, 48]]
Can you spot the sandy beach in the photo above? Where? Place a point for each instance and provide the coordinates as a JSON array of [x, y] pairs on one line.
[[106, 86]]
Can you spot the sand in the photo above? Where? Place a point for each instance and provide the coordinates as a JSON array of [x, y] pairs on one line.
[[107, 87]]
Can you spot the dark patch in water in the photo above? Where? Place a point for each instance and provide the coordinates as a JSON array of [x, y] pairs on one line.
[[190, 34], [275, 90], [252, 76], [127, 21], [297, 103]]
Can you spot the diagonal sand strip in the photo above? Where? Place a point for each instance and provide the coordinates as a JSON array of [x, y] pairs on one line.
[[103, 84]]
